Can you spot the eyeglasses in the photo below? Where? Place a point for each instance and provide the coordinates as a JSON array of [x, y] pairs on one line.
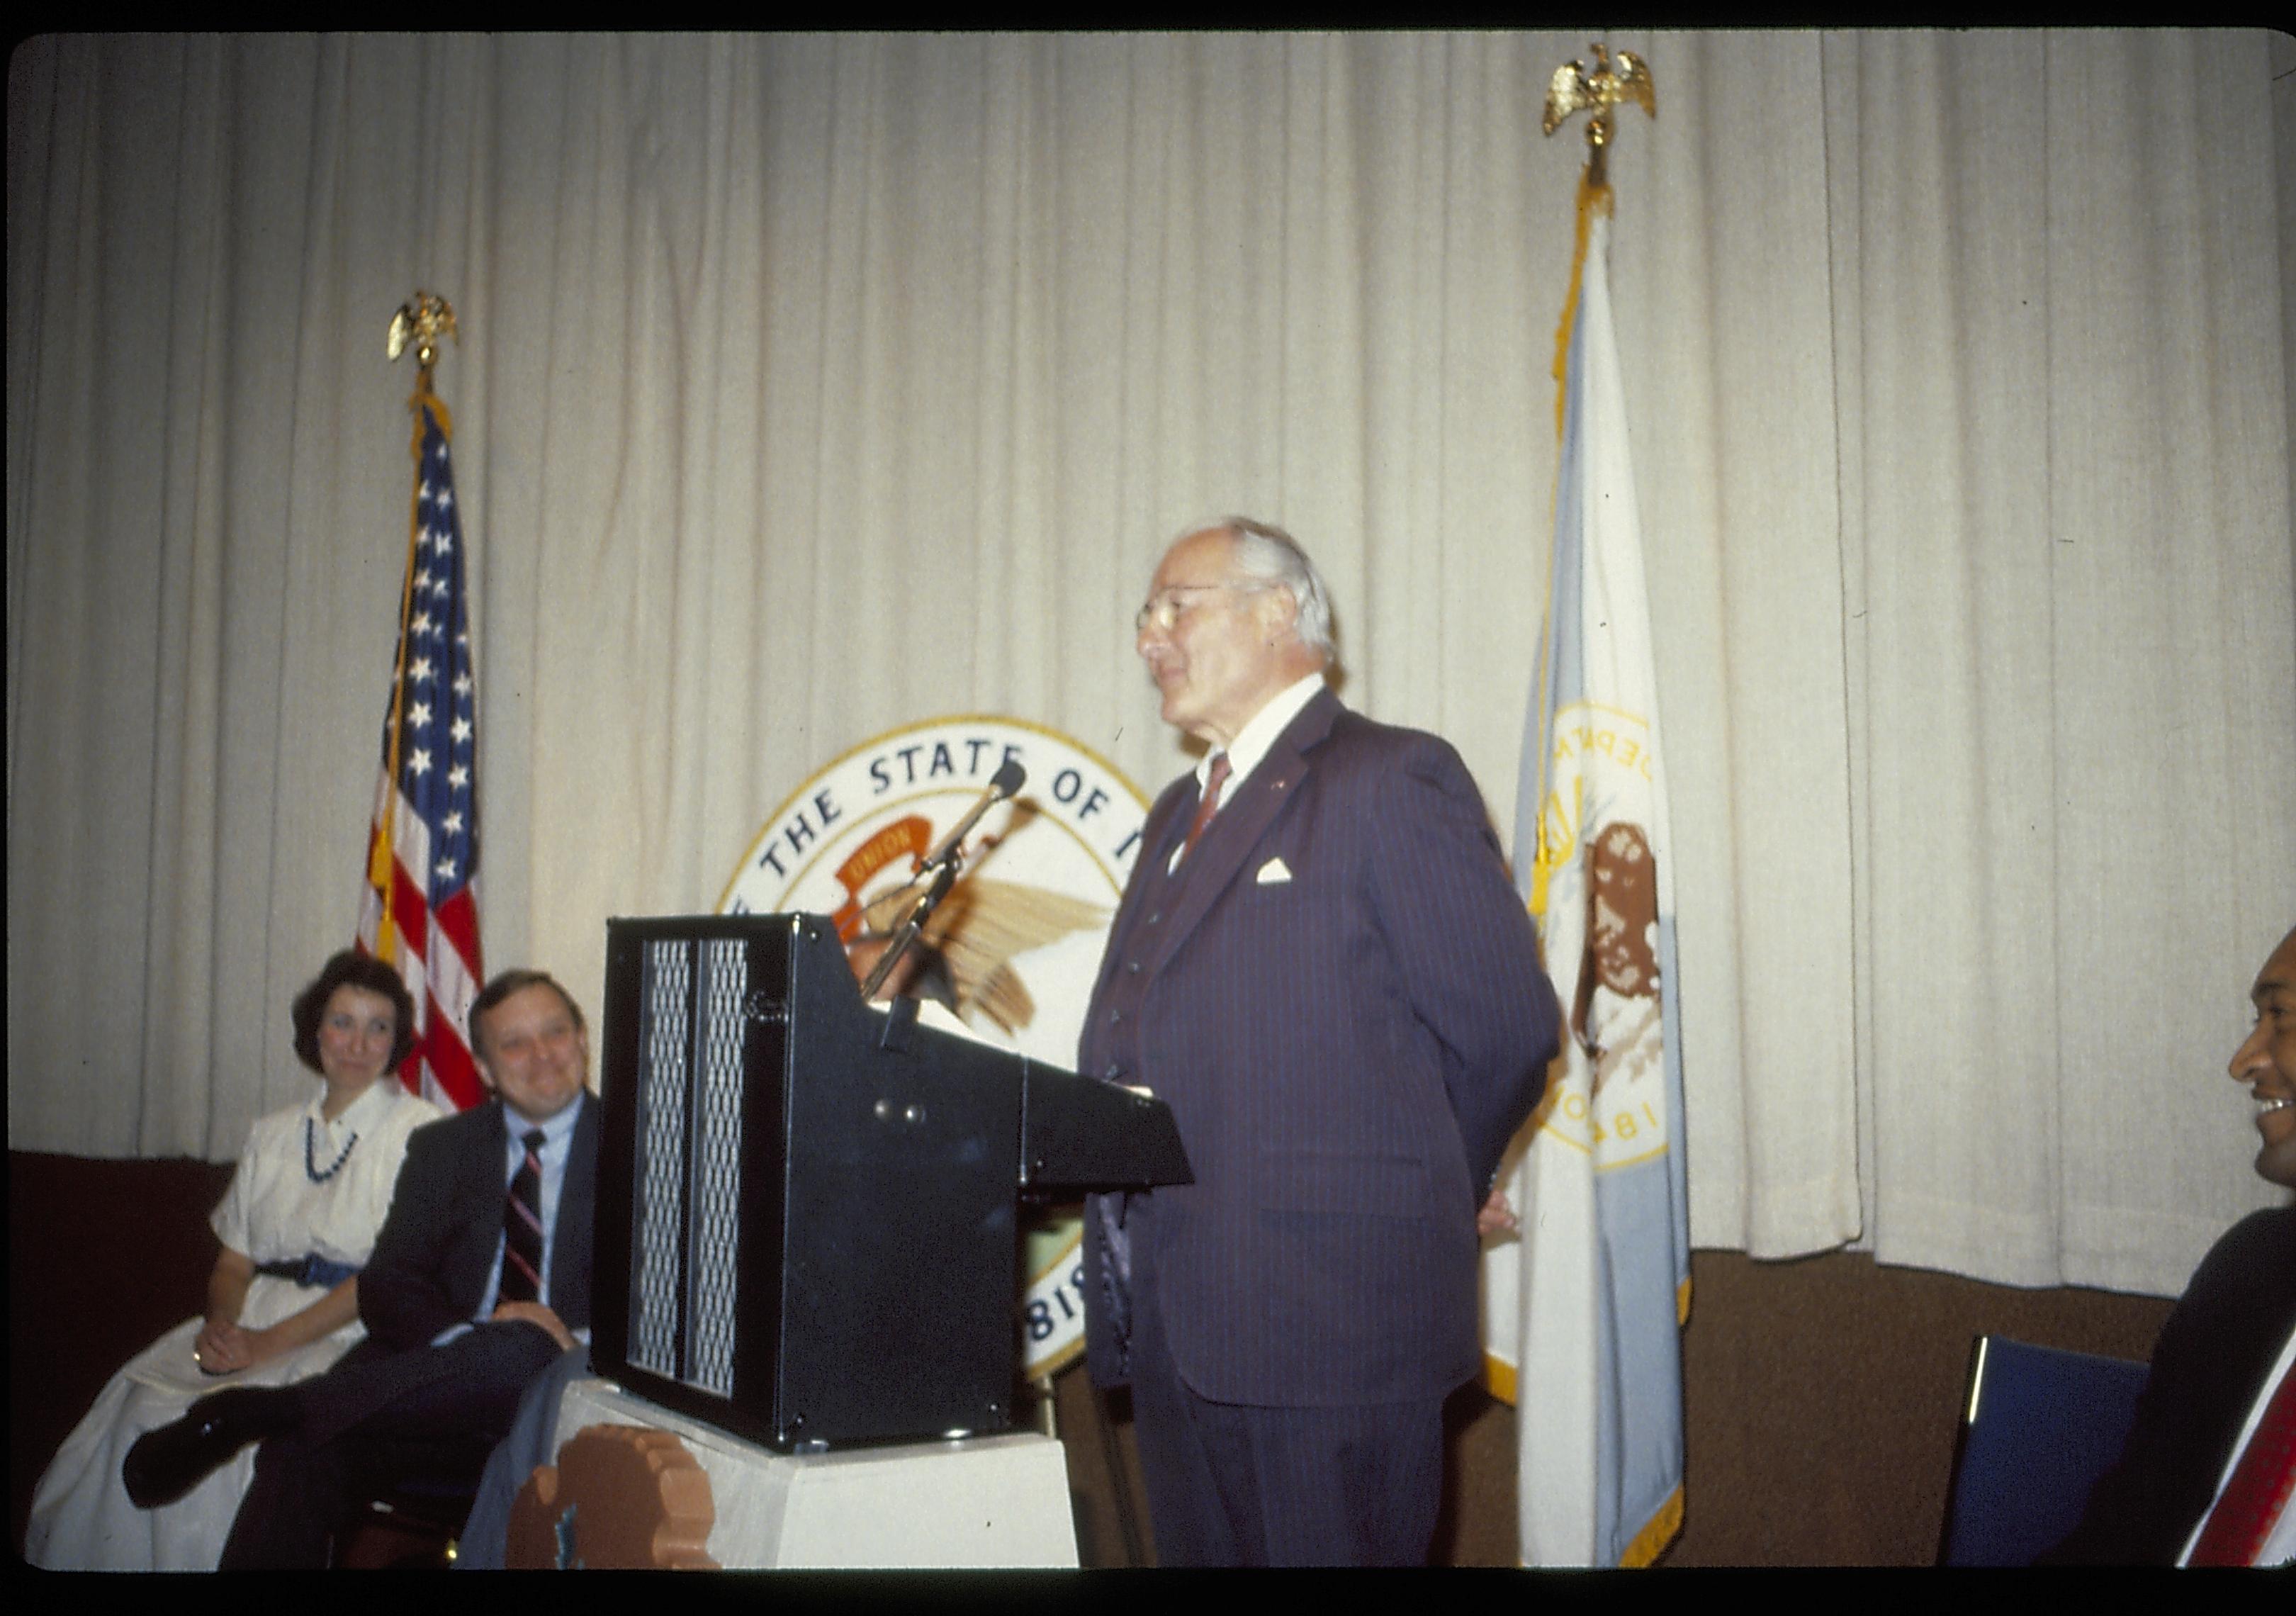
[[1164, 606]]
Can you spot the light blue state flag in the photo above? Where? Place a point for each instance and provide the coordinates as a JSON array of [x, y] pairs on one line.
[[1583, 1312]]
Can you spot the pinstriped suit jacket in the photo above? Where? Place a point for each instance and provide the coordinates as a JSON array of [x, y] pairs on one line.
[[1345, 1054]]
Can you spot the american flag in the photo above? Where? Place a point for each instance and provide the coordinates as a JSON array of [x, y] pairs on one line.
[[420, 910]]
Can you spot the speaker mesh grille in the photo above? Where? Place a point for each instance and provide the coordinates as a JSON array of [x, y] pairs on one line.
[[662, 1039], [718, 1164]]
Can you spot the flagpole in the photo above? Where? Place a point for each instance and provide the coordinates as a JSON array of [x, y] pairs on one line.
[[419, 907], [419, 322], [1595, 1290]]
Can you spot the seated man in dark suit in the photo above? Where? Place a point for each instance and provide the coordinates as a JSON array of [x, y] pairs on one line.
[[480, 1281], [2221, 1370]]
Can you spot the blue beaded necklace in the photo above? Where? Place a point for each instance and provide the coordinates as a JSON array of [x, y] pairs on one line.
[[311, 1155]]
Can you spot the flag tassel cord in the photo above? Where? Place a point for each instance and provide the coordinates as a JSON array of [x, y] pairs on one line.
[[1594, 197]]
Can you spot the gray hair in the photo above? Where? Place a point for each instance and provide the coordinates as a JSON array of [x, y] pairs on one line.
[[1265, 551]]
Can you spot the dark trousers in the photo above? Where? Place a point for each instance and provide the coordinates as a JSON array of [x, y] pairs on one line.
[[1235, 1484], [375, 1420]]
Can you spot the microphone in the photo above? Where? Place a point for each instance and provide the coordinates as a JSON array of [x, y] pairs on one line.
[[942, 867], [1006, 781]]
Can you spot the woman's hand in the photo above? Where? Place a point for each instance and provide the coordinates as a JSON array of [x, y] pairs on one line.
[[223, 1348]]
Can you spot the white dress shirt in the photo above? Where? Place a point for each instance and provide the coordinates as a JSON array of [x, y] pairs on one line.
[[1252, 744]]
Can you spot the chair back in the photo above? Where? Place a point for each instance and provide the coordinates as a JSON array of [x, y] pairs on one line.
[[2038, 1426]]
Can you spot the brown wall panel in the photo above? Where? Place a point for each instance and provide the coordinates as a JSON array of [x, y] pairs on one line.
[[1822, 1398]]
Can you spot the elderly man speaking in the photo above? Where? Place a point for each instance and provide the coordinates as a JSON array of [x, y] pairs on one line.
[[1321, 966]]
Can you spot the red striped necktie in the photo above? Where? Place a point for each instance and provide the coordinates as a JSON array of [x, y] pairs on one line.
[[1208, 806], [521, 1269], [2259, 1487]]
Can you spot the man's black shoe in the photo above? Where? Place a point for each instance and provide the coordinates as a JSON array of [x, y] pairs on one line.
[[165, 1464]]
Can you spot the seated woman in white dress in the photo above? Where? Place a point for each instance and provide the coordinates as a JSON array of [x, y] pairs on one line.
[[296, 1223]]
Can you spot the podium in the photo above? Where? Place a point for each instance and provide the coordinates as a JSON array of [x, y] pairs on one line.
[[806, 1205]]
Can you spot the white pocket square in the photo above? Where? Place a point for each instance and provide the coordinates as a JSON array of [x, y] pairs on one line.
[[1273, 871]]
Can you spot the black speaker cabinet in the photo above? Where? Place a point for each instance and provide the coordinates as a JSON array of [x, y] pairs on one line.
[[805, 1208]]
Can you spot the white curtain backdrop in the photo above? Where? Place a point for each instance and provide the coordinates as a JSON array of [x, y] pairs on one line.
[[812, 386]]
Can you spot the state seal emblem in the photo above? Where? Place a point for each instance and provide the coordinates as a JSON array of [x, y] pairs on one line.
[[1596, 897], [1009, 957]]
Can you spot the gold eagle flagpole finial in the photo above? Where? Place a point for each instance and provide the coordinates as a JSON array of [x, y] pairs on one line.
[[1573, 88], [422, 321]]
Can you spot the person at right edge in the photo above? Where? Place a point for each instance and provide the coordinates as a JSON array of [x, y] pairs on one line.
[[2206, 1476]]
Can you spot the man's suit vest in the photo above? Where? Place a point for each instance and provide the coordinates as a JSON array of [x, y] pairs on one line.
[[1126, 993]]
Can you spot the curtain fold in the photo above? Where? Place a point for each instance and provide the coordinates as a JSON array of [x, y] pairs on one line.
[[811, 385], [2056, 677], [1718, 276]]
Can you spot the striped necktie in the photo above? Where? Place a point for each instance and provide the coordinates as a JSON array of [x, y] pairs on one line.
[[1208, 806], [521, 1270]]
